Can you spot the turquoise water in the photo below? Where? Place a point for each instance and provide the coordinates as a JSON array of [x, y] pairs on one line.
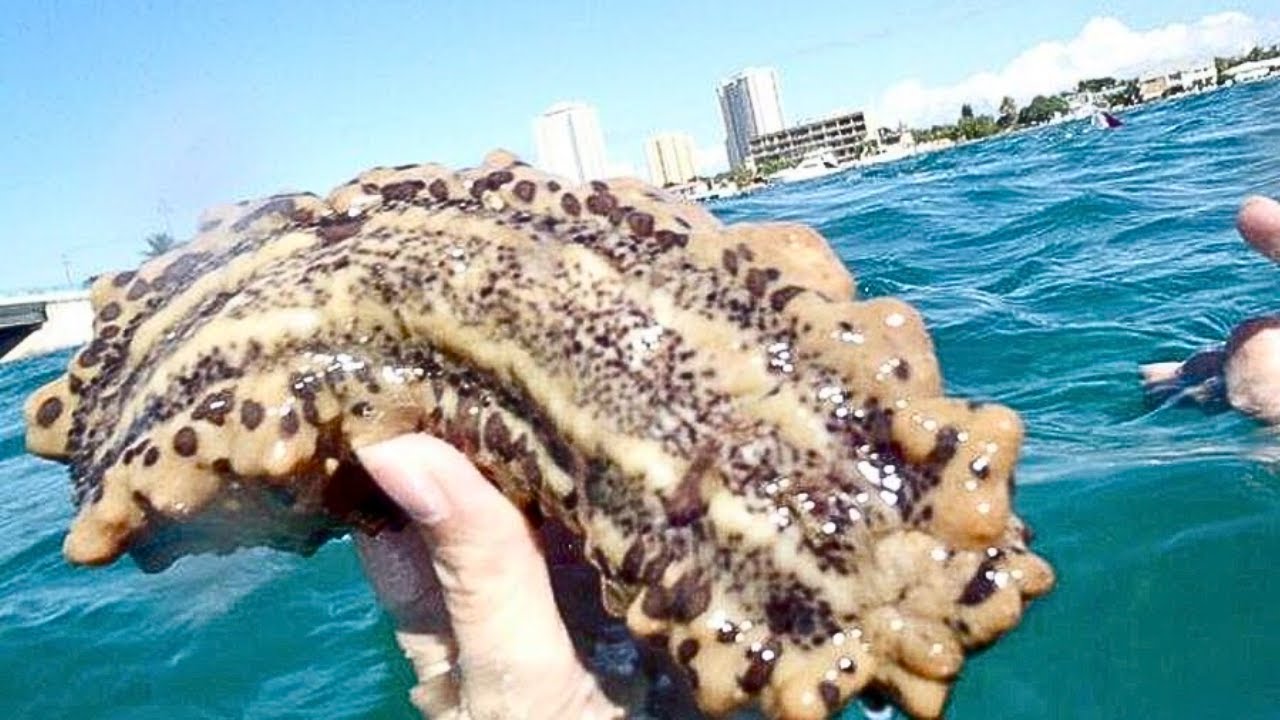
[[1048, 265]]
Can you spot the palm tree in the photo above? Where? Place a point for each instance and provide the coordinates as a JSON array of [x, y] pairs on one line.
[[158, 244]]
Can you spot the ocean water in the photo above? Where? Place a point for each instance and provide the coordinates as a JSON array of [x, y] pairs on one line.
[[1047, 264]]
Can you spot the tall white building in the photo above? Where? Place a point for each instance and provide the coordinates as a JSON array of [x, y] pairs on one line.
[[569, 142], [751, 106], [671, 159]]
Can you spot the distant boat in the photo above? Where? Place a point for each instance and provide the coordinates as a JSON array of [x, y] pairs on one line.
[[1104, 120], [814, 165]]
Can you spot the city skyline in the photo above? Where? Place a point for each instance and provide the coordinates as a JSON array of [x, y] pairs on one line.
[[147, 108]]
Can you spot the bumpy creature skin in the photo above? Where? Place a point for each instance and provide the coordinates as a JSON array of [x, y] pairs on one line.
[[765, 471]]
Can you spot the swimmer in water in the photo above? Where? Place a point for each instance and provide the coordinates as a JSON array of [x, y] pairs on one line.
[[1245, 371]]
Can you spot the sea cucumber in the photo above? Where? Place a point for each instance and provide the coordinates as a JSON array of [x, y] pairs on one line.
[[765, 471]]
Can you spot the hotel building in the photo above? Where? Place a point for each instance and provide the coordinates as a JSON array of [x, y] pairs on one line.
[[842, 134]]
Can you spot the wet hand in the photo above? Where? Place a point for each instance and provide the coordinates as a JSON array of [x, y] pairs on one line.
[[469, 589]]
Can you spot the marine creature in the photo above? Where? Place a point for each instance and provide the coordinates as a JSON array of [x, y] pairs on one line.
[[765, 471]]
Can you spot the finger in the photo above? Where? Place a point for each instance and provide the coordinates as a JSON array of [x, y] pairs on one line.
[[399, 568], [1259, 224], [514, 651]]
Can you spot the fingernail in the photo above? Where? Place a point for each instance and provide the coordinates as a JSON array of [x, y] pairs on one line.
[[402, 467]]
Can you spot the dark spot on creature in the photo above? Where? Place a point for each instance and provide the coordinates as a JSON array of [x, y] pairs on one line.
[[599, 186], [222, 466], [570, 500], [122, 279], [641, 224], [981, 468], [981, 586], [685, 504], [402, 191], [408, 166], [601, 203], [109, 312], [337, 229], [497, 438], [185, 442], [1028, 535], [478, 187], [361, 409], [686, 650], [760, 669], [945, 444], [632, 563], [151, 456], [439, 190], [902, 369], [683, 223], [49, 412], [569, 203], [553, 186], [779, 299], [279, 205], [690, 597], [109, 331], [214, 407], [139, 288], [926, 514], [757, 282], [525, 190], [730, 261], [772, 274], [289, 423], [657, 602], [788, 613], [251, 414], [90, 357], [75, 384], [498, 178], [656, 567], [668, 239], [616, 215], [830, 695]]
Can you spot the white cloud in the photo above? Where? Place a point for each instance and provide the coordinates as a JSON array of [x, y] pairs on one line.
[[1105, 46]]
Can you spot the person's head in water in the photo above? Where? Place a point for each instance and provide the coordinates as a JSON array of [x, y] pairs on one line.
[[1245, 371], [1251, 372]]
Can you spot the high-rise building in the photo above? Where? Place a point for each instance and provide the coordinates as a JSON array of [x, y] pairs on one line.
[[569, 142], [670, 157], [751, 106]]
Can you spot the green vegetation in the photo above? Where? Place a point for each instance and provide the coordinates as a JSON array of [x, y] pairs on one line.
[[769, 167], [1042, 109], [158, 244], [1093, 85]]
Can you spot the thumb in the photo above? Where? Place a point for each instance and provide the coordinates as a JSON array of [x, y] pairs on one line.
[[511, 639], [1259, 224]]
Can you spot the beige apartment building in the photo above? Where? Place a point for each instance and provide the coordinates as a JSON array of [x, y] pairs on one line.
[[841, 134], [671, 159]]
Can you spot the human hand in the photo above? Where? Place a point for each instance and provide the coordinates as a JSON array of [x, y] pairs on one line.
[[469, 588]]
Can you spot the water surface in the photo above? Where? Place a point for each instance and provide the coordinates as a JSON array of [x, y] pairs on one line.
[[1048, 265]]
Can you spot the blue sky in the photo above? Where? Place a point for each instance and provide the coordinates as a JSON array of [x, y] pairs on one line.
[[125, 117]]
